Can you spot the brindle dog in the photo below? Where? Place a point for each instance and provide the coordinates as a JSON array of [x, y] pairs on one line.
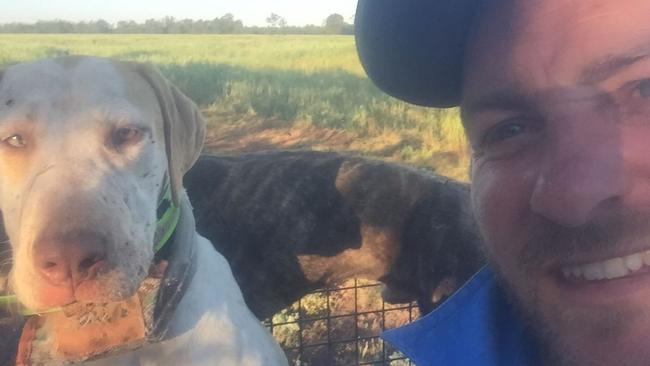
[[294, 221]]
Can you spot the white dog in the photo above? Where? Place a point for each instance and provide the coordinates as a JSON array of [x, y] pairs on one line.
[[89, 148]]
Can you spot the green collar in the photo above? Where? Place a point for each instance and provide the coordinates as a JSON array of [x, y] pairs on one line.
[[168, 214]]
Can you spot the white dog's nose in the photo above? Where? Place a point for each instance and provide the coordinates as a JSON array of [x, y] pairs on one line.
[[71, 258]]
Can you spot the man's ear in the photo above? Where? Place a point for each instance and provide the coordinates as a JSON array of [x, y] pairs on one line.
[[183, 127]]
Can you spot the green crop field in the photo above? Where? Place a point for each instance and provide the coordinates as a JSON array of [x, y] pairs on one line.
[[277, 91]]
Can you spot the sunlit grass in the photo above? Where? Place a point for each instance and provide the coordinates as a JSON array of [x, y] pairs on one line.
[[304, 53], [297, 80]]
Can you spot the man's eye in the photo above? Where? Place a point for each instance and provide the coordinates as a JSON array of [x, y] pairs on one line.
[[644, 88], [508, 137], [502, 132], [16, 141]]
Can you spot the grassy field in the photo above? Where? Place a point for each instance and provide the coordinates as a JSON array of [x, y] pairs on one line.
[[266, 92]]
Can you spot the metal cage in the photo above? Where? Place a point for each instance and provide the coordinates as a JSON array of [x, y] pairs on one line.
[[340, 327]]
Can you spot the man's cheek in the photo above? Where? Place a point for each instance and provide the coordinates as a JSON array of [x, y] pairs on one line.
[[500, 207], [491, 205]]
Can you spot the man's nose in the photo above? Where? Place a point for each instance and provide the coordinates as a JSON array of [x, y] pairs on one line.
[[582, 170]]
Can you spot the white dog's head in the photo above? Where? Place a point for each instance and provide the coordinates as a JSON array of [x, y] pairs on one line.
[[85, 145]]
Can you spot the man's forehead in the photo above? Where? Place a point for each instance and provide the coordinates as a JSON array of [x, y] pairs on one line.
[[554, 43], [544, 17]]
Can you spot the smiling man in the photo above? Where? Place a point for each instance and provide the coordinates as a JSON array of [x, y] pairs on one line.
[[555, 101]]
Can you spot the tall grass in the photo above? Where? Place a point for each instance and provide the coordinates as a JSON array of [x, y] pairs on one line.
[[297, 80], [304, 53]]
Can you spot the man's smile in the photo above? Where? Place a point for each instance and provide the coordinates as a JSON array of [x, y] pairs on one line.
[[622, 275], [608, 269]]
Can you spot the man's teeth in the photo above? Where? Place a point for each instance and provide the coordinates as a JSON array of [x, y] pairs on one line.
[[610, 268]]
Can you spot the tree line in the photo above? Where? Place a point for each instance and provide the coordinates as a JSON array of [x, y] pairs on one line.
[[226, 24]]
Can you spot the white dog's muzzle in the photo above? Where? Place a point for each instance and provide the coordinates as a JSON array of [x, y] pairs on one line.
[[80, 332]]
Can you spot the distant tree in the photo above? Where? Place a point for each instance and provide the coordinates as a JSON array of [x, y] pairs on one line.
[[100, 26], [167, 25], [228, 24], [185, 26], [276, 21], [127, 26], [53, 26], [152, 26], [225, 24], [334, 24], [65, 27]]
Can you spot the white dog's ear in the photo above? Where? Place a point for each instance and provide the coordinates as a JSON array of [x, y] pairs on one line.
[[184, 129]]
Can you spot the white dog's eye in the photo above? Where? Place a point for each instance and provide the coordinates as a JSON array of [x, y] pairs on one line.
[[16, 141], [125, 136]]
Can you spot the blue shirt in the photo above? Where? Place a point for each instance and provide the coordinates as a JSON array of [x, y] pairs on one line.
[[476, 326]]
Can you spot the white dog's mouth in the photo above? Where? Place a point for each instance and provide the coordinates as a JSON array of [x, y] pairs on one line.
[[88, 330], [100, 287], [79, 266]]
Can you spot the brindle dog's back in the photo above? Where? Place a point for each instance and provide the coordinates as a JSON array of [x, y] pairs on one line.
[[292, 221]]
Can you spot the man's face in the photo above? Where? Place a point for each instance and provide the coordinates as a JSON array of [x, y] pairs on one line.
[[556, 104]]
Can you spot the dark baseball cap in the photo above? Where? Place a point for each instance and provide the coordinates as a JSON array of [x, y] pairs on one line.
[[413, 49]]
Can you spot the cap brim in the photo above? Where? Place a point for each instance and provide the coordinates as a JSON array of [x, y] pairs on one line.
[[413, 49]]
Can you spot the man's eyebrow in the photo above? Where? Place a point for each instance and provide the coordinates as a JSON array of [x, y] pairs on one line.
[[594, 73], [607, 67], [498, 100]]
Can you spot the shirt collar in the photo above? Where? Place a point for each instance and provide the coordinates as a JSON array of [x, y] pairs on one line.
[[476, 326]]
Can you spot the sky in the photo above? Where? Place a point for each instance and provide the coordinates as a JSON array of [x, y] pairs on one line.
[[251, 12]]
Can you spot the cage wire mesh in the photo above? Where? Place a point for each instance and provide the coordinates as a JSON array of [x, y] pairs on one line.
[[341, 326]]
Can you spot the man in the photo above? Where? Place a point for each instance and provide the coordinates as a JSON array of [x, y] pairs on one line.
[[555, 101]]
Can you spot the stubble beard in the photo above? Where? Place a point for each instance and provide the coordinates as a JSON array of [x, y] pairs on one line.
[[558, 329], [547, 325]]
